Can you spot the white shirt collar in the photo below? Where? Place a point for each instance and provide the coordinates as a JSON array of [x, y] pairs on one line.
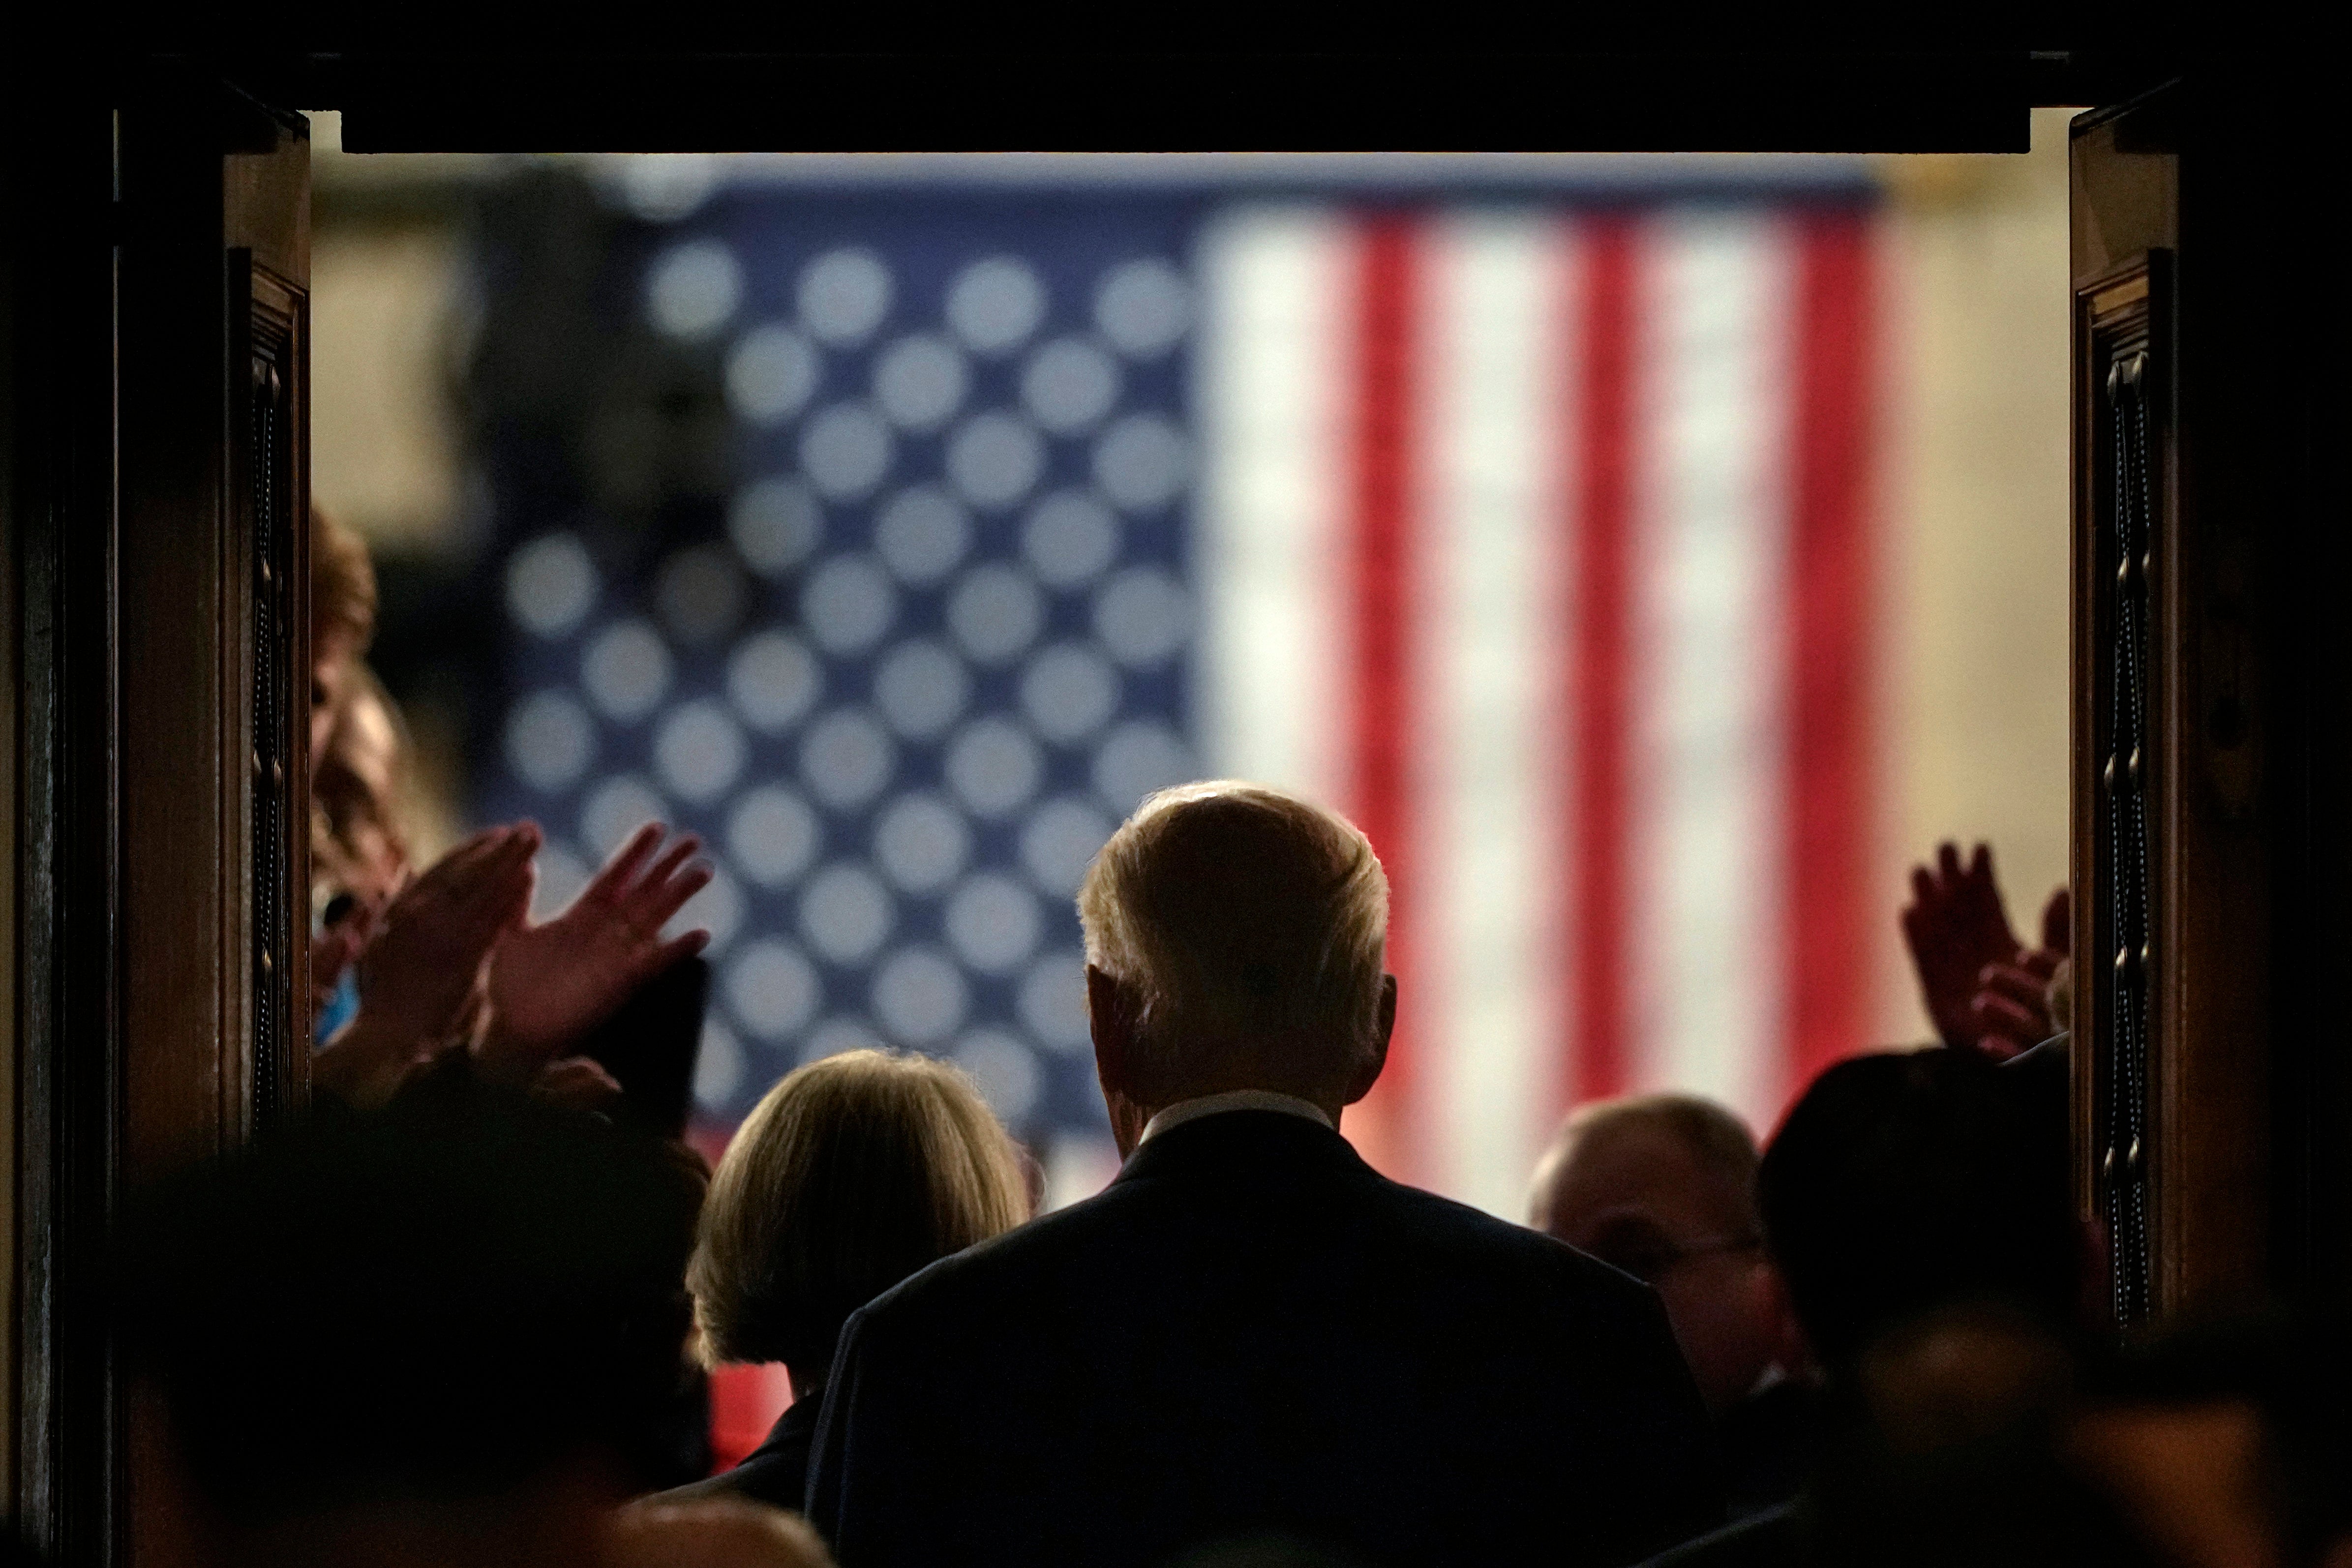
[[1185, 1110]]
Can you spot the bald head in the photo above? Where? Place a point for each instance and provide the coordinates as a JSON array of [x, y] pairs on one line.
[[1239, 932], [1628, 1151], [1664, 1187]]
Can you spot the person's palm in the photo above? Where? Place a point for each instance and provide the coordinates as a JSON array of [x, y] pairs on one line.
[[420, 969], [554, 982], [415, 974], [2012, 1007], [1956, 929]]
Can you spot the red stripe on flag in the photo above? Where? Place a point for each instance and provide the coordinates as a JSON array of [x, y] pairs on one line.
[[1381, 598], [1828, 810], [1603, 725]]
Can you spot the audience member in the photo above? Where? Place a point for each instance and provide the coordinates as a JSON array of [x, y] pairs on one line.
[[451, 959], [1984, 990], [1950, 1450], [1250, 1332], [359, 843], [358, 856], [852, 1172], [342, 617], [422, 988], [1908, 1181], [1899, 1185], [433, 1334], [2228, 1442], [1664, 1186], [452, 962], [550, 982], [1950, 1444]]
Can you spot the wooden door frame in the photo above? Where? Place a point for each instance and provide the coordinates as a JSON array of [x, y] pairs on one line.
[[183, 220], [62, 540], [2201, 189]]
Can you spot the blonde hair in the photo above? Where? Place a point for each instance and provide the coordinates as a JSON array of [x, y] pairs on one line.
[[1240, 916], [849, 1175], [342, 582]]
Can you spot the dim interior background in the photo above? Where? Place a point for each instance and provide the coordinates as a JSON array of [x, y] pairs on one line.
[[896, 523]]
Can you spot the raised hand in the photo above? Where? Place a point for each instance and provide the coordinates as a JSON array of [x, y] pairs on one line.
[[2058, 924], [1957, 928], [417, 977], [2013, 1007], [552, 983]]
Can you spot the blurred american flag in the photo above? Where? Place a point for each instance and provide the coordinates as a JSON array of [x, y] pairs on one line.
[[1526, 526]]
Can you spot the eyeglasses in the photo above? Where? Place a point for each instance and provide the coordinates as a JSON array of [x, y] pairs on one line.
[[1648, 1255]]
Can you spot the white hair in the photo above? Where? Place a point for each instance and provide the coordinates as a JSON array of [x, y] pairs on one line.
[[1241, 918]]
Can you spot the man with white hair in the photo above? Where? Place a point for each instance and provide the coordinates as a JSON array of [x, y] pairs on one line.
[[1250, 1333]]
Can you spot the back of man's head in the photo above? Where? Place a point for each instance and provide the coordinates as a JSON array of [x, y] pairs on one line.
[[1246, 929], [1905, 1181]]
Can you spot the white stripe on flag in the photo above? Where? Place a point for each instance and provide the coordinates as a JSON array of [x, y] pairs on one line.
[[1275, 285], [1489, 749], [1709, 668]]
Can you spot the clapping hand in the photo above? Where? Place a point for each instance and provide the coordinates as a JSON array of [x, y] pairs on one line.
[[1956, 929], [2012, 1001], [552, 983], [418, 976]]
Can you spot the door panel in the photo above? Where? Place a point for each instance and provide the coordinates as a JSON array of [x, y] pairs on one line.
[[2185, 820], [158, 527]]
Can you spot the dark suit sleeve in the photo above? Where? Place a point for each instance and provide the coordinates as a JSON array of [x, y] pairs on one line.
[[852, 1445], [1664, 1444], [1773, 1539]]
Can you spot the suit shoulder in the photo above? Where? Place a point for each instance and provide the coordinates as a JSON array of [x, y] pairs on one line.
[[1503, 1244], [1016, 1256]]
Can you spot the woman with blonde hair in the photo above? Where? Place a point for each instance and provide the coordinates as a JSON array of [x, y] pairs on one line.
[[852, 1173]]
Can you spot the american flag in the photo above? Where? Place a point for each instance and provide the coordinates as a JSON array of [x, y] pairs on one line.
[[1526, 525]]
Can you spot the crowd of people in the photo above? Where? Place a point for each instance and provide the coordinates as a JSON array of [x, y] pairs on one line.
[[454, 1315]]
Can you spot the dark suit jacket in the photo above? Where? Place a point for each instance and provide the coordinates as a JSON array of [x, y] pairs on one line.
[[1769, 1441], [1251, 1331], [1773, 1539], [775, 1473]]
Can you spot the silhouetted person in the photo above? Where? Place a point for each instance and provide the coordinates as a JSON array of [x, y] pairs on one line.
[[1901, 1184], [849, 1175], [1950, 1448], [1912, 1180], [440, 1333], [2226, 1441], [1250, 1332], [1664, 1186]]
